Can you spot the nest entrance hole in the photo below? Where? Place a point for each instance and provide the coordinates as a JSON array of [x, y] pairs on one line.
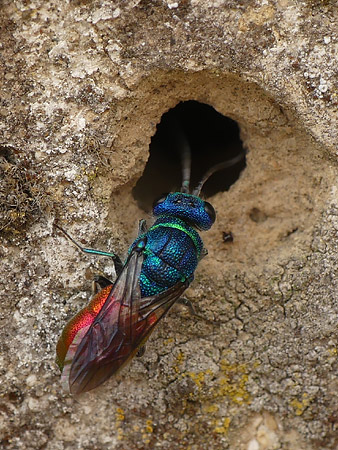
[[212, 137]]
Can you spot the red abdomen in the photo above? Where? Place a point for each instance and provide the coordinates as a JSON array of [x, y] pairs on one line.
[[83, 318]]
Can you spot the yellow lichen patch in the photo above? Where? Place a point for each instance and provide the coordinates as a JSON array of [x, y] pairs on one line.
[[119, 434], [233, 382], [222, 427], [300, 405], [145, 439], [147, 430], [179, 360], [256, 364], [199, 377], [333, 351], [210, 409], [168, 341], [149, 426], [90, 174], [119, 415]]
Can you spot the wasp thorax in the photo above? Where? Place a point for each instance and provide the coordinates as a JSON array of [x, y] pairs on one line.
[[190, 208]]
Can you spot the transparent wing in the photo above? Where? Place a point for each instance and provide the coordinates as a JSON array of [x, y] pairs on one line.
[[120, 328]]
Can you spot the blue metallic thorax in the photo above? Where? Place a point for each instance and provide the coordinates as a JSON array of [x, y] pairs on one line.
[[173, 246], [171, 254]]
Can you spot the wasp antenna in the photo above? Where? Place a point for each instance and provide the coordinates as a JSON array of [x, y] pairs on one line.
[[216, 168], [184, 147], [68, 236], [186, 166]]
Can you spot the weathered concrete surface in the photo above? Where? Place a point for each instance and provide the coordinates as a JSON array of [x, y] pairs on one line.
[[83, 84]]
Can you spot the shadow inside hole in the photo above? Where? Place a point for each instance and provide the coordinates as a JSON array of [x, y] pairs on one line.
[[213, 138]]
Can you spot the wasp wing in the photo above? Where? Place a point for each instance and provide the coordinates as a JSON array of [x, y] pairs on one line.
[[123, 325]]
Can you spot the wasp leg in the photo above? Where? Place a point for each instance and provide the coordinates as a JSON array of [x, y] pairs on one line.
[[187, 303], [141, 351], [203, 254], [102, 281], [116, 259]]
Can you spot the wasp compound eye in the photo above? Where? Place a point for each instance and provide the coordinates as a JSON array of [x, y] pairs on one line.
[[209, 209], [160, 199]]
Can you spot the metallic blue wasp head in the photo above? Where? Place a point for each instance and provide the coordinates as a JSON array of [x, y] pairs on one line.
[[187, 207]]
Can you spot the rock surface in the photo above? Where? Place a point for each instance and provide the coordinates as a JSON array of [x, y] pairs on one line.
[[83, 85]]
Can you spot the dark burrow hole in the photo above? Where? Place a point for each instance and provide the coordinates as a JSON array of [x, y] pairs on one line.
[[213, 138], [7, 153]]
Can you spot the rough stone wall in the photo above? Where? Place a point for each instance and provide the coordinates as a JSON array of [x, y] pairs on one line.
[[83, 85]]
